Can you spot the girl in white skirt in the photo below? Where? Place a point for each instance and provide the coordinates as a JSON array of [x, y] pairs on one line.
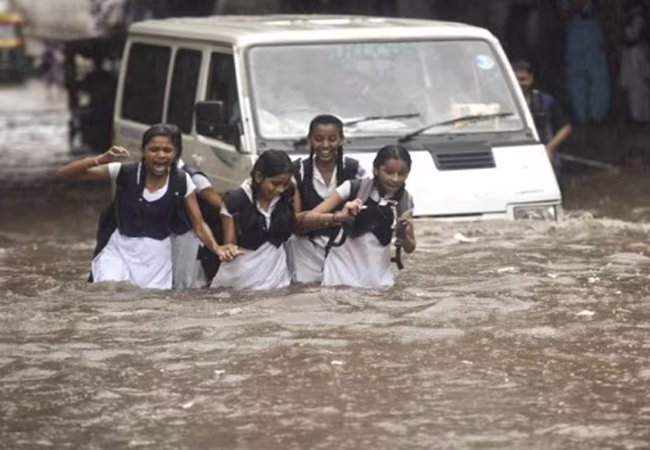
[[194, 266], [317, 177], [134, 235], [259, 217], [382, 208]]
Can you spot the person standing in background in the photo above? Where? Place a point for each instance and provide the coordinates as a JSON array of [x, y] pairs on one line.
[[552, 123], [634, 76], [51, 70], [586, 63]]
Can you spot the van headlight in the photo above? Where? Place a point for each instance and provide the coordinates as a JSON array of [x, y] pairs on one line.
[[536, 212]]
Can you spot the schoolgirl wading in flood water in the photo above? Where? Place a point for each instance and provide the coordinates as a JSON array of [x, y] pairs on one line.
[[259, 217], [382, 208], [134, 237], [317, 177]]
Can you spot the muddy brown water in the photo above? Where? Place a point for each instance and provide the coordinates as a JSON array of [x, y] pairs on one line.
[[497, 335]]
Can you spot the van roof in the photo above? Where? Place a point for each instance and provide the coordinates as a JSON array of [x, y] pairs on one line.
[[246, 30]]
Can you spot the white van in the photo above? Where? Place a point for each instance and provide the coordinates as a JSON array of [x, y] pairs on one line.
[[239, 85]]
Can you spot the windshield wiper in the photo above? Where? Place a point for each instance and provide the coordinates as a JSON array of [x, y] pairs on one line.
[[303, 140], [472, 118], [390, 116]]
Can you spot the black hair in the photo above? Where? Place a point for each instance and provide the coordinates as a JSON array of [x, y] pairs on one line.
[[327, 119], [269, 164], [393, 151], [522, 66], [168, 130]]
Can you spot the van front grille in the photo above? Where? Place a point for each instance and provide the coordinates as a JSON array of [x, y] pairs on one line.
[[483, 159]]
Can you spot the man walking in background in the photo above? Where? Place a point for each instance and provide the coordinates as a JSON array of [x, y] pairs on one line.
[[552, 123]]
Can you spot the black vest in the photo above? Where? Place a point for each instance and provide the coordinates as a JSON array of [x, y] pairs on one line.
[[375, 218], [137, 217], [134, 216], [251, 224], [309, 198]]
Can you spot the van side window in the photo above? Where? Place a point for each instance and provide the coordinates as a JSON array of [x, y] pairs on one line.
[[144, 87], [222, 86], [182, 94]]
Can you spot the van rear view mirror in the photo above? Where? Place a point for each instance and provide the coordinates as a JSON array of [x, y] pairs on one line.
[[210, 118]]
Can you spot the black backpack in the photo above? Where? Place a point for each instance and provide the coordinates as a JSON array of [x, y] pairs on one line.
[[361, 189]]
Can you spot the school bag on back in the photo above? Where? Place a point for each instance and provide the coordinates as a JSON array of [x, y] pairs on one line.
[[361, 189]]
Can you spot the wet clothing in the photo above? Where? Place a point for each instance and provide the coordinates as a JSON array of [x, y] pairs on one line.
[[188, 270], [548, 115], [364, 258], [549, 118], [139, 249], [307, 251], [261, 235]]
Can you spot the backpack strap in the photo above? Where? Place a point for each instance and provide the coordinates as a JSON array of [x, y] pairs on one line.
[[350, 168], [296, 164], [403, 205], [359, 189], [178, 183]]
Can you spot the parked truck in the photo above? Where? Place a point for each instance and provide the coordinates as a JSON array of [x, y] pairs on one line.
[[239, 85]]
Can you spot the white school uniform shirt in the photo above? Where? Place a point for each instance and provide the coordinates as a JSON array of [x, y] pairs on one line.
[[143, 261], [264, 268], [307, 256], [361, 261]]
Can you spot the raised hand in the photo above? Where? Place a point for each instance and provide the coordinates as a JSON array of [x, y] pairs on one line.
[[114, 154]]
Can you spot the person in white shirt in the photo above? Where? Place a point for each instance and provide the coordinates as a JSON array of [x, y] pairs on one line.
[[194, 266], [259, 217], [382, 208], [133, 240], [317, 177]]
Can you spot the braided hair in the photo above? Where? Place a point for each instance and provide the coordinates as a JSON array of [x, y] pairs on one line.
[[325, 119]]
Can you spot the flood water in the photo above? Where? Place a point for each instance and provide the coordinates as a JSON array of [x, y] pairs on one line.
[[497, 335]]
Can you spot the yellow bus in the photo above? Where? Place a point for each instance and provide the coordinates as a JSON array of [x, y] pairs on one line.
[[13, 60]]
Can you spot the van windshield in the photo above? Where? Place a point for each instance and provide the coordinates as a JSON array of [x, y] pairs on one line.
[[415, 84]]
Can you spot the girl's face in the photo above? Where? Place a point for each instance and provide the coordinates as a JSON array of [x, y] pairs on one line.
[[325, 140], [392, 175], [159, 154], [271, 187]]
